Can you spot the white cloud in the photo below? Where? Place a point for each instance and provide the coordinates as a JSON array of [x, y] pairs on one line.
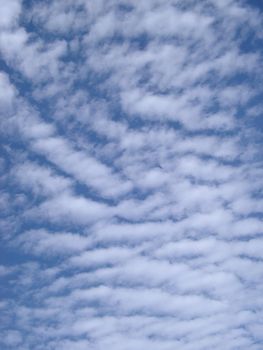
[[40, 180], [71, 209], [84, 167], [10, 12], [7, 93], [52, 243]]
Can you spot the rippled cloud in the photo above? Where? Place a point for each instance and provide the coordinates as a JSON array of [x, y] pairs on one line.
[[131, 169]]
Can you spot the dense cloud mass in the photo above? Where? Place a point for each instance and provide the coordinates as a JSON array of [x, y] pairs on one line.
[[131, 170]]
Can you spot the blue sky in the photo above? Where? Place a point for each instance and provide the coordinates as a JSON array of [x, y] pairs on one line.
[[131, 175]]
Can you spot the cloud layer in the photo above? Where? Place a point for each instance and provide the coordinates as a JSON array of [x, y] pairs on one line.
[[131, 205]]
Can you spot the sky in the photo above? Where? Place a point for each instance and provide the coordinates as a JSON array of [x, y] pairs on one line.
[[131, 175]]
